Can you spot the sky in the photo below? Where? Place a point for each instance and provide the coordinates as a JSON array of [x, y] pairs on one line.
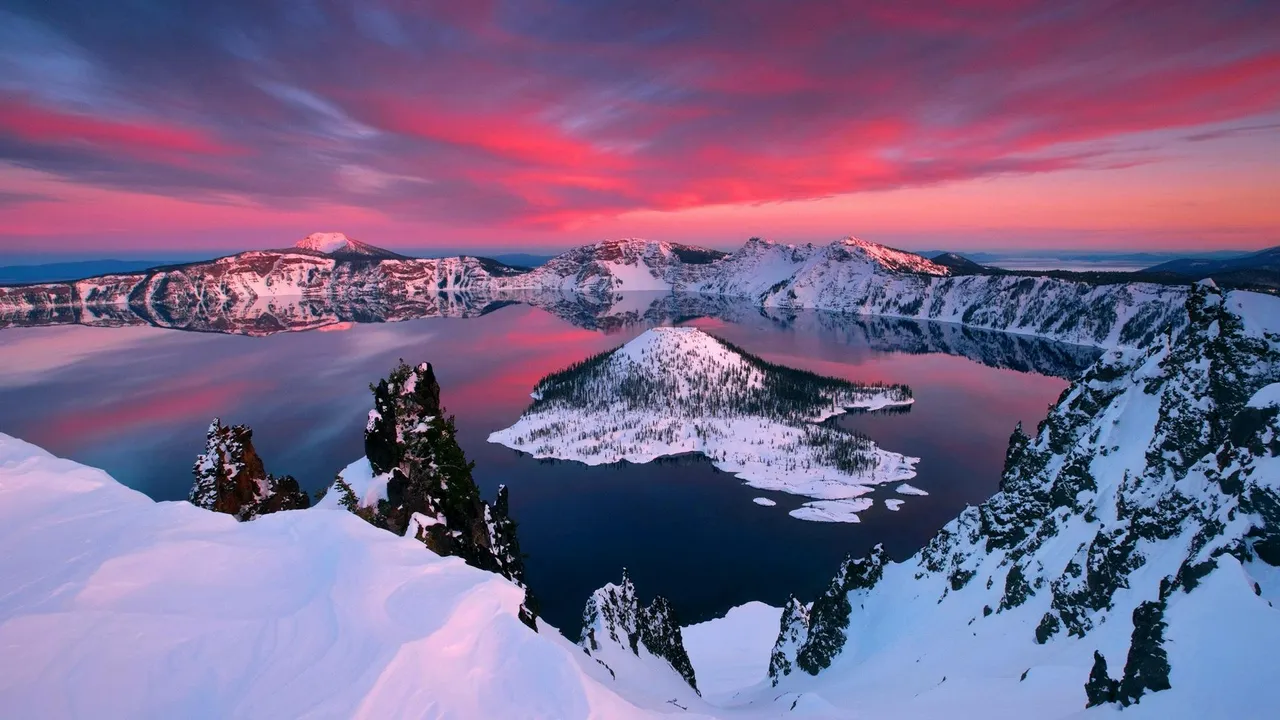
[[173, 127]]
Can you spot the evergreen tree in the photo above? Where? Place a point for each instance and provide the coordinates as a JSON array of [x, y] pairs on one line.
[[504, 540], [409, 439]]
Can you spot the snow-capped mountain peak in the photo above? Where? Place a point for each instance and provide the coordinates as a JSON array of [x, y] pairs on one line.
[[889, 258], [336, 243]]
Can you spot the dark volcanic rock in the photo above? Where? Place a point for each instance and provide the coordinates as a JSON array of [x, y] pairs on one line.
[[231, 479]]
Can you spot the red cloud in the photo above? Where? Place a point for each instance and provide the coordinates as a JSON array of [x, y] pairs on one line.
[[486, 115], [146, 140]]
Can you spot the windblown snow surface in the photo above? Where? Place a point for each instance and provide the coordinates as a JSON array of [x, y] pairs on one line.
[[672, 391], [115, 606]]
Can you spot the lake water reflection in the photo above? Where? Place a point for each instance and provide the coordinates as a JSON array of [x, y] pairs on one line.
[[136, 401]]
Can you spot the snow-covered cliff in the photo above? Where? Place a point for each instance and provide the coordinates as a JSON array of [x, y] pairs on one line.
[[264, 291], [300, 288], [609, 266], [1129, 559]]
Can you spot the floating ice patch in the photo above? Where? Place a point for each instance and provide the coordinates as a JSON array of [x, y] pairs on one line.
[[832, 510], [905, 489], [763, 501]]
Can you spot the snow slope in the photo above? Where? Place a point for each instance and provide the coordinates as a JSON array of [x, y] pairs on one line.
[[732, 652], [609, 266], [115, 606], [1140, 522], [679, 390]]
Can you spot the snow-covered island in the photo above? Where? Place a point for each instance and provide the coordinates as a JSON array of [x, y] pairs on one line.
[[676, 390]]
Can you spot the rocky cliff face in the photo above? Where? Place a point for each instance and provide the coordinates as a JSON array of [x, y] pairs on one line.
[[262, 292], [793, 634], [609, 266], [614, 619], [259, 292], [230, 477], [1155, 476]]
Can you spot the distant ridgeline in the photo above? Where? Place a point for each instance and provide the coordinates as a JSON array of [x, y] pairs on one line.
[[328, 278]]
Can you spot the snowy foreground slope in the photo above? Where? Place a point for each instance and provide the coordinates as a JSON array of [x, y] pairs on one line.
[[115, 606], [680, 390]]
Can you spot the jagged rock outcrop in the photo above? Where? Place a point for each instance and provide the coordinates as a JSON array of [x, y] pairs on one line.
[[793, 632], [1146, 668], [231, 479], [325, 278], [614, 618], [829, 616], [1155, 473], [429, 491], [1100, 688]]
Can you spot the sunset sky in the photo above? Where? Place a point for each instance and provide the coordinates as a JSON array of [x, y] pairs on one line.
[[185, 126]]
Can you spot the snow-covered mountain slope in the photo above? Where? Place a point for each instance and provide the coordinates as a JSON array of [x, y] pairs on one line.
[[732, 652], [857, 276], [848, 276], [261, 292], [115, 606], [1140, 523], [337, 244], [761, 267], [680, 390], [861, 277], [626, 265]]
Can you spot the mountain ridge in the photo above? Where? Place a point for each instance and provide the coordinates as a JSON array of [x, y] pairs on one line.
[[848, 275]]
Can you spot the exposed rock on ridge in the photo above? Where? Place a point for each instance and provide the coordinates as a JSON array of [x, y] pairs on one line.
[[230, 477], [613, 617]]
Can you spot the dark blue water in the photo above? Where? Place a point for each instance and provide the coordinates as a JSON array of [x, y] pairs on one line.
[[136, 401]]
